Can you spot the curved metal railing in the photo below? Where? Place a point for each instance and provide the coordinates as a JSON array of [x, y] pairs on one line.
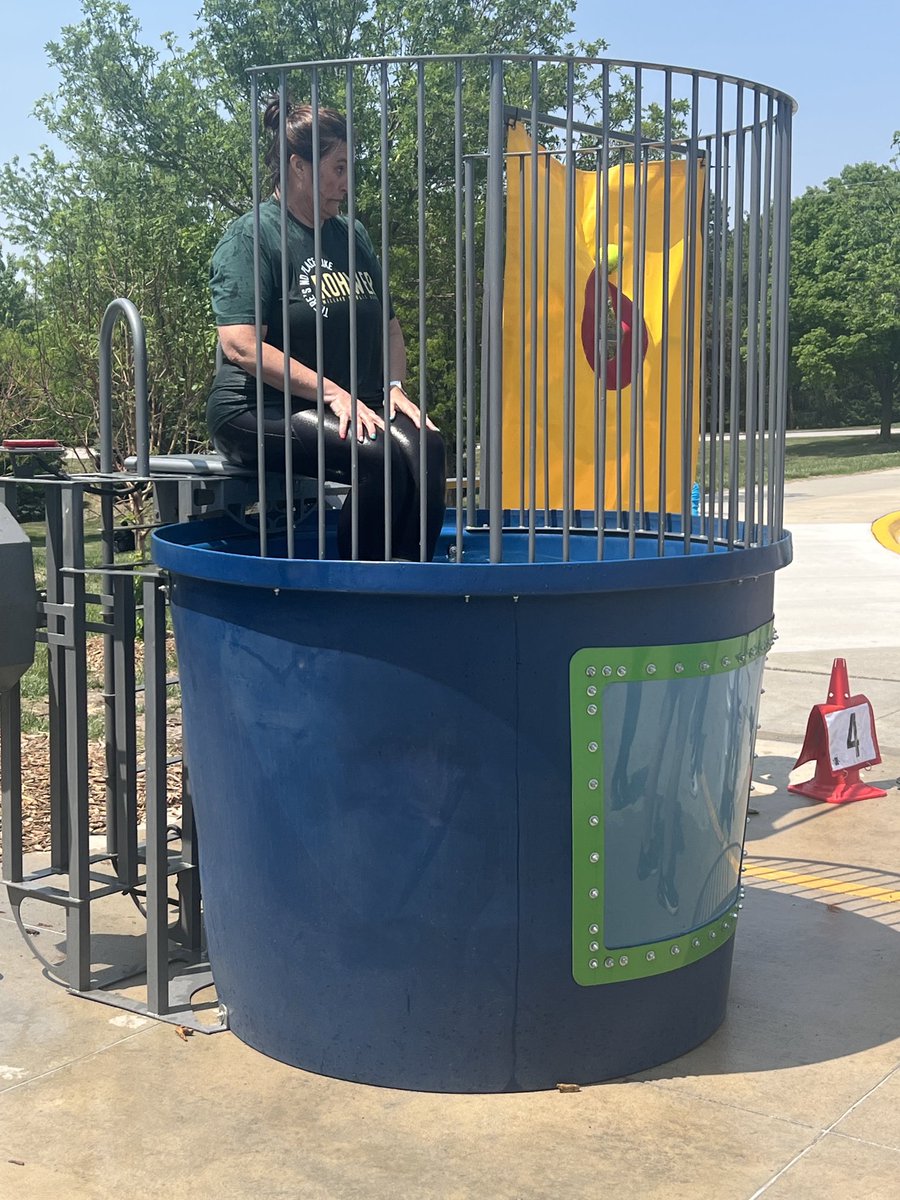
[[116, 309]]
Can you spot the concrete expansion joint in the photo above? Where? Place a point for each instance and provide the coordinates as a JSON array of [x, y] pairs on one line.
[[858, 680], [862, 1141], [749, 1109], [824, 1132], [58, 1068]]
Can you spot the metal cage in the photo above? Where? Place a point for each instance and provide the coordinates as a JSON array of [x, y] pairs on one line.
[[650, 409]]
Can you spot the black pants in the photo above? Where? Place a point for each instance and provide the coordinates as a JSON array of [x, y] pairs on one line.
[[237, 441]]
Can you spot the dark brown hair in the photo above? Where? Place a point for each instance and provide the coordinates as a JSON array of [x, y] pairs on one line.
[[299, 123]]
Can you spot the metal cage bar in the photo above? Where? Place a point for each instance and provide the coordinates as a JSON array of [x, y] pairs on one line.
[[462, 481], [493, 301], [421, 136], [385, 319], [257, 319], [353, 318]]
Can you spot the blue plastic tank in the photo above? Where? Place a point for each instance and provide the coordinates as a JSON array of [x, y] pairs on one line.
[[470, 827]]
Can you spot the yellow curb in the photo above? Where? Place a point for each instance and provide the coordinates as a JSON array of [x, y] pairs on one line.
[[887, 531]]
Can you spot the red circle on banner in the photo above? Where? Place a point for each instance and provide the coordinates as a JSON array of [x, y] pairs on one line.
[[618, 369]]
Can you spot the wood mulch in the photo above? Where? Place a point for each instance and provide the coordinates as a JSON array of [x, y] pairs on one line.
[[36, 790], [36, 766]]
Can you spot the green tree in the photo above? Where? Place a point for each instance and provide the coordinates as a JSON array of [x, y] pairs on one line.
[[107, 219], [19, 366], [15, 306], [105, 226], [158, 162], [845, 289]]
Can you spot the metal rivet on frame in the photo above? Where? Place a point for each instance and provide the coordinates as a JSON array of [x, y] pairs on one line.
[[595, 857], [695, 942], [607, 671], [609, 962], [726, 662], [594, 893], [594, 929], [593, 964], [594, 946], [651, 955], [621, 671], [712, 935], [623, 960], [704, 665], [590, 671], [593, 747], [593, 819], [651, 668], [593, 784], [676, 950], [679, 668], [592, 691], [592, 710]]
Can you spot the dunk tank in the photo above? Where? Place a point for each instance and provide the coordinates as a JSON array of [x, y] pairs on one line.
[[476, 823]]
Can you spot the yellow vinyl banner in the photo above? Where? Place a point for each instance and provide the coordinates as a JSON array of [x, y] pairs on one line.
[[661, 403]]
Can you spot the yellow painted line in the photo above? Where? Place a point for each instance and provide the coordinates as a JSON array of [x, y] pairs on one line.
[[818, 883], [887, 531]]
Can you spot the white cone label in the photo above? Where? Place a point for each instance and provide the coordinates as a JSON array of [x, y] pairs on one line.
[[850, 740]]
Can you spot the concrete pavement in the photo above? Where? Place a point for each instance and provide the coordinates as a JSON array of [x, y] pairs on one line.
[[797, 1096]]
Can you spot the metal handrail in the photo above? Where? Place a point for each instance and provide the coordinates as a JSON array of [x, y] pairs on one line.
[[120, 307]]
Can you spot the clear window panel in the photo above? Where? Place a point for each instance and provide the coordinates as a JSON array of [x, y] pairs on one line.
[[677, 768]]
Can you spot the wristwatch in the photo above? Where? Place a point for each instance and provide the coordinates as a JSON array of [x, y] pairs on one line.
[[398, 383]]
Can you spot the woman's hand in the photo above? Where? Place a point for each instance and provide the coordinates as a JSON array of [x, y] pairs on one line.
[[367, 422], [401, 403]]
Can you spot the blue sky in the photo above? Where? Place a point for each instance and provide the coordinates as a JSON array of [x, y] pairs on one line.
[[838, 61]]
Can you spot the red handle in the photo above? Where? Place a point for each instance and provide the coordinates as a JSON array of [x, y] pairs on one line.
[[31, 444]]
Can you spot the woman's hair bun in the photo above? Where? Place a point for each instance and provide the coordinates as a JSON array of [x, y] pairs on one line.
[[272, 114], [298, 123]]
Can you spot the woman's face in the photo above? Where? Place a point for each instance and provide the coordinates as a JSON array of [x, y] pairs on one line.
[[332, 180]]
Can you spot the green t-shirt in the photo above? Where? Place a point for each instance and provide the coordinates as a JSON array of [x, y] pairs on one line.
[[231, 281]]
